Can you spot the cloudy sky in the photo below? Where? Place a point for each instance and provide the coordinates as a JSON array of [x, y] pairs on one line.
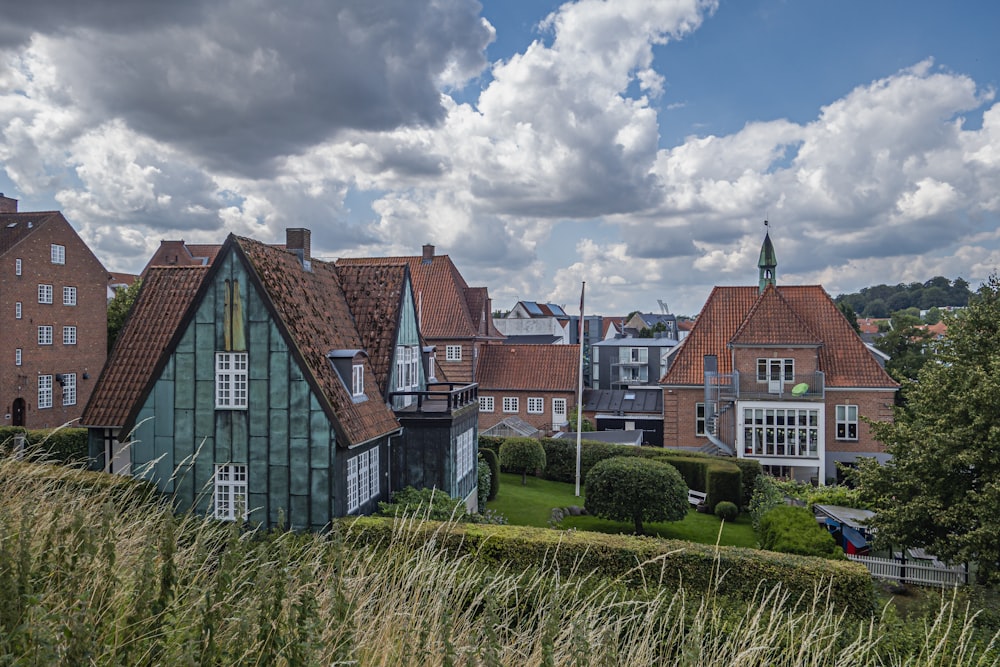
[[634, 144]]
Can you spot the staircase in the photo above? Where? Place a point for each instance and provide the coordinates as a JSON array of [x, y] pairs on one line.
[[715, 446]]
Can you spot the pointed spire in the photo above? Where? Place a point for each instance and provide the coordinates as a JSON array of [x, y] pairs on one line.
[[768, 263]]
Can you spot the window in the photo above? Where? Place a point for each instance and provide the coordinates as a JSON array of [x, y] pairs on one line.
[[230, 492], [781, 432], [17, 267], [44, 391], [465, 455], [635, 355], [358, 380], [635, 374], [231, 380], [536, 406], [58, 254], [510, 404], [486, 404], [453, 353], [69, 335], [45, 335], [17, 310], [775, 370], [69, 388], [407, 367], [699, 419], [17, 357], [847, 422], [45, 294], [69, 296], [363, 479]]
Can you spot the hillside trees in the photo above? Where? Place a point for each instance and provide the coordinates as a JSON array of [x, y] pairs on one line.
[[941, 490]]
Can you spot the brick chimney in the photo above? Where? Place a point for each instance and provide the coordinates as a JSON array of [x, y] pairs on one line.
[[299, 241], [428, 254], [7, 205]]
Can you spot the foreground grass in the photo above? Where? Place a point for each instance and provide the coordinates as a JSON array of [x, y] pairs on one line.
[[91, 579], [532, 505]]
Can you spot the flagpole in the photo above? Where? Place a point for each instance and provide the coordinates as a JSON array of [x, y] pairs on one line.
[[579, 393]]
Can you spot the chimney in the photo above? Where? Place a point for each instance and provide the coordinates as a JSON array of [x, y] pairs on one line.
[[299, 241], [428, 253], [8, 205]]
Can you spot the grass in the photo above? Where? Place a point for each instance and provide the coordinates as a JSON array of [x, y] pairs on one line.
[[532, 505]]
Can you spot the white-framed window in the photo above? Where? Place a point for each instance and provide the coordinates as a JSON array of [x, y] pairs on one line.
[[69, 389], [44, 391], [699, 419], [775, 370], [536, 405], [511, 404], [17, 310], [45, 294], [17, 357], [781, 432], [69, 296], [363, 479], [635, 355], [69, 335], [17, 267], [847, 422], [407, 367], [401, 369], [558, 411], [486, 404], [231, 380], [637, 374], [453, 353], [45, 334], [58, 254], [358, 380], [465, 455], [230, 501]]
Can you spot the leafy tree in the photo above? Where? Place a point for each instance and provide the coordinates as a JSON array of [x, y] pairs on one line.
[[876, 308], [848, 312], [629, 488], [933, 316], [587, 426], [118, 309], [907, 347], [522, 455], [941, 489]]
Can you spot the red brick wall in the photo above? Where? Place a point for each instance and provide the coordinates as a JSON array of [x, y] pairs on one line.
[[745, 359], [542, 422], [81, 270]]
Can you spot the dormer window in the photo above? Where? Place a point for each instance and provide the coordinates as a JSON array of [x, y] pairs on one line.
[[350, 368], [358, 380]]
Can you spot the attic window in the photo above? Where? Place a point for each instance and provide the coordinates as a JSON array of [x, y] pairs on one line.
[[629, 396], [231, 380], [358, 380]]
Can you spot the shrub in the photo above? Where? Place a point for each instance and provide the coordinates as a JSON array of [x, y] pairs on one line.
[[522, 455], [560, 457], [750, 470], [490, 442], [429, 503], [793, 530], [483, 481], [824, 495], [627, 488], [766, 496], [727, 511], [493, 461], [61, 445]]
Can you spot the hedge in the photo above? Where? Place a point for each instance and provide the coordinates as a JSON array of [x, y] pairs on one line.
[[120, 487], [794, 530], [61, 445], [493, 461], [638, 561], [750, 470]]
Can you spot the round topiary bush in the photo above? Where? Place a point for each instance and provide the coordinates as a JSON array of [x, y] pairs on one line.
[[727, 511], [522, 455], [628, 488]]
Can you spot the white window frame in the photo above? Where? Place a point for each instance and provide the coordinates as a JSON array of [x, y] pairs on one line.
[[17, 310], [565, 408], [465, 455], [231, 380], [401, 368], [700, 424], [44, 293], [17, 356], [17, 266], [69, 335], [486, 404], [358, 380], [536, 405], [363, 479], [58, 253], [845, 420], [782, 430], [69, 389], [44, 392], [765, 369], [636, 355], [230, 492], [511, 404], [45, 334], [69, 296], [453, 353]]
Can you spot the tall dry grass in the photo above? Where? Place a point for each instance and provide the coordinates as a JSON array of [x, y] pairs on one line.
[[91, 578]]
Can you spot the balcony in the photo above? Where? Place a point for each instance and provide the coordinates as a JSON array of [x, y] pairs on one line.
[[736, 386], [440, 399]]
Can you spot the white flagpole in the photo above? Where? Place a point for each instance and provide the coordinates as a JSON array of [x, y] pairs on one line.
[[579, 394]]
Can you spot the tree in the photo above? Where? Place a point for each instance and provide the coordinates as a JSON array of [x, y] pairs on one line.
[[848, 312], [907, 347], [941, 489], [522, 455], [630, 488], [118, 309]]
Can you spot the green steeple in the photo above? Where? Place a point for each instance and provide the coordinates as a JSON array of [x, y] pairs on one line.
[[768, 263]]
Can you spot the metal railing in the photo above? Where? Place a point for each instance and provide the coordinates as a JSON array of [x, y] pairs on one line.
[[746, 386], [441, 397]]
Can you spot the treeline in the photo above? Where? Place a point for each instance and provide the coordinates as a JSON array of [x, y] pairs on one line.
[[883, 300]]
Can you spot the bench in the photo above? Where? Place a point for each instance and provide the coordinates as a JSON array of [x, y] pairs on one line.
[[696, 497]]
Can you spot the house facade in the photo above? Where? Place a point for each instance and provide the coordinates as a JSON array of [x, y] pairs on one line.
[[628, 361], [533, 319], [534, 383], [777, 374], [53, 331], [269, 397]]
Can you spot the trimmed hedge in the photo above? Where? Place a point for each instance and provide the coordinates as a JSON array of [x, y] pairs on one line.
[[493, 461], [794, 530], [120, 487], [638, 561], [750, 470], [62, 445]]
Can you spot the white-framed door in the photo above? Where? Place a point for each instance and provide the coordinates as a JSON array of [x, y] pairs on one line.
[[558, 413]]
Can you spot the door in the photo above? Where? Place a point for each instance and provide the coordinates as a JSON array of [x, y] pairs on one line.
[[17, 416], [558, 413]]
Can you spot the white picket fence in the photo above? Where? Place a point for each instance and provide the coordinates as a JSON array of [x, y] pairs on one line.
[[923, 573]]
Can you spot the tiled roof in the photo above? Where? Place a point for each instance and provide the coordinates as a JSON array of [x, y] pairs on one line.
[[374, 294], [312, 307], [612, 322], [164, 298], [771, 321], [14, 227], [843, 356], [116, 278], [528, 367]]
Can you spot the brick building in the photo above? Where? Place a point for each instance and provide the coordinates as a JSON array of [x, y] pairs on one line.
[[53, 328], [535, 383]]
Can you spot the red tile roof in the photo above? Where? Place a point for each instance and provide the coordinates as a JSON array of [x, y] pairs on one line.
[[771, 321], [165, 296], [529, 367], [843, 356]]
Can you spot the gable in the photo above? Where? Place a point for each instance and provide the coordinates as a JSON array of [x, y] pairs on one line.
[[771, 321]]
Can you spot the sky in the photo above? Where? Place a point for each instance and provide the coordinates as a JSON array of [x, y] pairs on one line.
[[637, 145]]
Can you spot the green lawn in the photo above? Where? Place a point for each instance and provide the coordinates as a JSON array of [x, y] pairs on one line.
[[532, 505]]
